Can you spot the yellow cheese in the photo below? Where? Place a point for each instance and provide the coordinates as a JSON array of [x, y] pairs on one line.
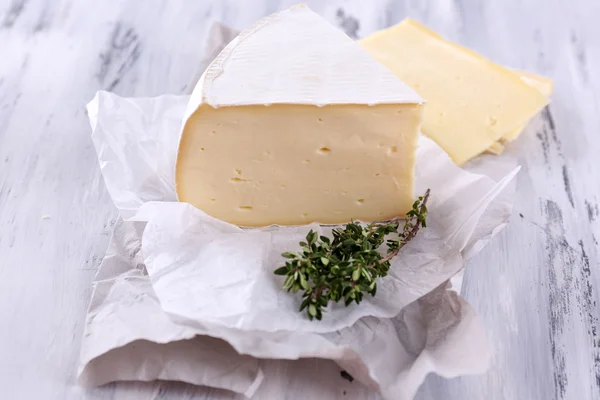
[[296, 164], [544, 86], [472, 103], [496, 148]]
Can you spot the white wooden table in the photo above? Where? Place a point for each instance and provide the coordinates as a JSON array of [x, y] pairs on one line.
[[537, 286]]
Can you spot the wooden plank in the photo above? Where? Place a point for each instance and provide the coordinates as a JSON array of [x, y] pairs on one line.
[[536, 286]]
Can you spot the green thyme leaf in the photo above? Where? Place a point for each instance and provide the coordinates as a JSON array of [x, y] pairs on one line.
[[303, 282]]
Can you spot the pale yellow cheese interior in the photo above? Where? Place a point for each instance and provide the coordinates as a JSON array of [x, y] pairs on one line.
[[544, 86], [496, 148], [472, 103], [296, 164]]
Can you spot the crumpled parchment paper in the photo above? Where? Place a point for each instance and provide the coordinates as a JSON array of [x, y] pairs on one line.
[[183, 296]]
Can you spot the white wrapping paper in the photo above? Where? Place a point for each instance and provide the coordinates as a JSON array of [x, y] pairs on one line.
[[183, 296]]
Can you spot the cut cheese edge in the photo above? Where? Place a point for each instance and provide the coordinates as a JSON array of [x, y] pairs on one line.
[[544, 85], [472, 103], [496, 148], [295, 123], [540, 83], [295, 164]]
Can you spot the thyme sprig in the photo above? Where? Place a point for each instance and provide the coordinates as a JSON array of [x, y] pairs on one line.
[[347, 266]]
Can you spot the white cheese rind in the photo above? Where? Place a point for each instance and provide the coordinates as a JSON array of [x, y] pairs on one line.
[[297, 57]]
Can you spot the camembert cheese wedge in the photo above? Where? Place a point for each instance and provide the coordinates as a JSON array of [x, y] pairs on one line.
[[295, 123], [472, 103]]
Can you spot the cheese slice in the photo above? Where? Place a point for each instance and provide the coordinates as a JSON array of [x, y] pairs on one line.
[[496, 148], [295, 123], [472, 102], [544, 86]]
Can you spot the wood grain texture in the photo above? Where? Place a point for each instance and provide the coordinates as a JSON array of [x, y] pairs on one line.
[[536, 286]]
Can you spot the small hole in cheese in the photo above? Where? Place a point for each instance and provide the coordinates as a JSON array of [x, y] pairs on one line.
[[238, 171], [393, 149], [212, 199], [360, 201], [324, 150], [305, 214], [306, 161], [320, 119], [493, 121], [236, 179], [246, 208], [201, 148], [213, 132], [377, 174]]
